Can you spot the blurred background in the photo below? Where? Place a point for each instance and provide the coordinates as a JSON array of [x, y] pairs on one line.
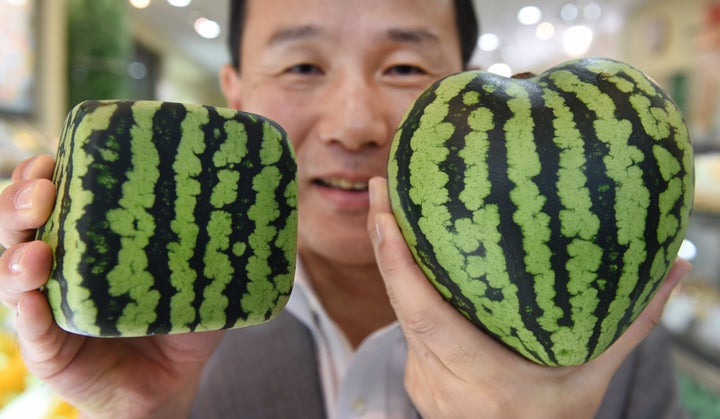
[[55, 53]]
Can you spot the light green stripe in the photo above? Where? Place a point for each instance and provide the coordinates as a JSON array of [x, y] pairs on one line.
[[482, 231], [51, 230], [631, 194], [610, 70], [135, 226], [431, 133], [577, 218], [186, 167], [429, 191], [427, 180], [670, 168], [430, 137], [218, 263], [671, 226], [577, 221], [470, 234], [681, 138], [262, 294], [287, 239], [523, 165], [465, 234], [61, 178], [218, 267], [475, 156], [78, 296]]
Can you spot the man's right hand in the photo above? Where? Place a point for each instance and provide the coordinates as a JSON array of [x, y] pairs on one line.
[[124, 377]]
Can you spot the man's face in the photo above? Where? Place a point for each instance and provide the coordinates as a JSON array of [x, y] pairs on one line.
[[338, 75]]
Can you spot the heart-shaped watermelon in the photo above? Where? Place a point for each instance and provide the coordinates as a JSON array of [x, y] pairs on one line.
[[547, 209]]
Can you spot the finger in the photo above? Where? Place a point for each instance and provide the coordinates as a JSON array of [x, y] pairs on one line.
[[430, 323], [394, 258], [650, 316], [46, 348], [38, 167], [24, 206], [23, 268]]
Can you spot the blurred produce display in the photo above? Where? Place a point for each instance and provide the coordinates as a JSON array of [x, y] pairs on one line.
[[21, 395]]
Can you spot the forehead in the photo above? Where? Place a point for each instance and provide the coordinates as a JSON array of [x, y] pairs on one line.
[[267, 21]]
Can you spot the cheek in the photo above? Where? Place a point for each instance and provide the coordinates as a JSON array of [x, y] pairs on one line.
[[291, 113], [399, 104]]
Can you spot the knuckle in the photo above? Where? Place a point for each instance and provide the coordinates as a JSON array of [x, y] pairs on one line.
[[17, 225], [462, 356], [17, 276], [419, 322], [7, 299], [10, 303], [9, 236], [40, 166]]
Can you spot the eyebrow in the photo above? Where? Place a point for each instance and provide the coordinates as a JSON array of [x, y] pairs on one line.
[[412, 36], [417, 36], [294, 33]]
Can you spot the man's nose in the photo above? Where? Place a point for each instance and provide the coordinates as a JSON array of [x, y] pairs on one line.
[[354, 114]]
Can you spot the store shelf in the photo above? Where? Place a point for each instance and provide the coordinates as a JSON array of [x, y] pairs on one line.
[[699, 383]]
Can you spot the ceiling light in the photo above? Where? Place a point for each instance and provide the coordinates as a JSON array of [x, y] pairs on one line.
[[137, 70], [501, 69], [577, 40], [179, 3], [688, 250], [207, 28], [592, 11], [529, 15], [140, 4], [545, 31], [489, 42], [569, 12]]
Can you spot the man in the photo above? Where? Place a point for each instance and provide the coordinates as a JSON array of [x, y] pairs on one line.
[[338, 76]]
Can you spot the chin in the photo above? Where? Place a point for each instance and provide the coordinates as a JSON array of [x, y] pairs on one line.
[[353, 249]]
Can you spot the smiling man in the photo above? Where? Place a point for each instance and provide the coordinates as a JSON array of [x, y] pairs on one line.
[[338, 76], [364, 333]]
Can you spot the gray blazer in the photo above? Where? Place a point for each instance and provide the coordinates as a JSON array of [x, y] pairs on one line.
[[270, 371]]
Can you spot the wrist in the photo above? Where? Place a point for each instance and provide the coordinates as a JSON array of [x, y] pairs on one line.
[[144, 406]]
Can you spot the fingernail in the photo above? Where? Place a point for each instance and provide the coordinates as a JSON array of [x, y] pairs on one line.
[[682, 267], [685, 268], [27, 170], [23, 198], [379, 229], [16, 258]]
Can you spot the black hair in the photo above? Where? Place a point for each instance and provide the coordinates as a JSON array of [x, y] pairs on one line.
[[465, 18]]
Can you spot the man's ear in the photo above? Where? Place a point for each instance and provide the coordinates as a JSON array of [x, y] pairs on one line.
[[230, 84]]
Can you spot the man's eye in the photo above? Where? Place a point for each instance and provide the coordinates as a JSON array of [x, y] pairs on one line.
[[304, 69], [405, 70]]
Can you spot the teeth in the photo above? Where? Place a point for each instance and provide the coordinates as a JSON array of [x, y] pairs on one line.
[[342, 183]]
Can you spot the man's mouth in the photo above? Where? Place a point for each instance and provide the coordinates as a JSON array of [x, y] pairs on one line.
[[344, 184]]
